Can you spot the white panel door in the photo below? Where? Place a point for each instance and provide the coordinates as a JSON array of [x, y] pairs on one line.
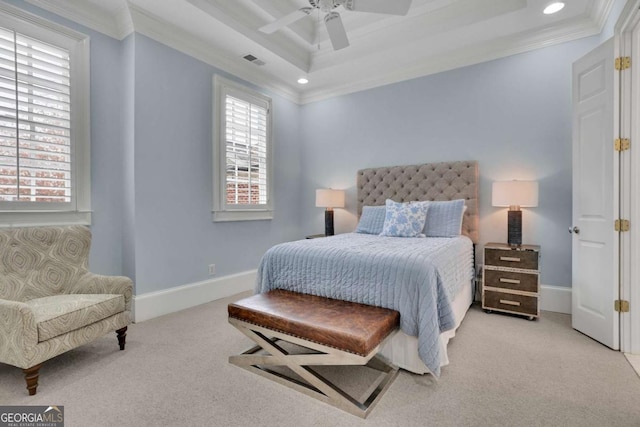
[[595, 196]]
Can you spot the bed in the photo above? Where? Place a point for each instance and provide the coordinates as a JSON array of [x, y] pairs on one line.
[[429, 280]]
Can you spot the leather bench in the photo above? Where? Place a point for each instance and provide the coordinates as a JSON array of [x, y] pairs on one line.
[[338, 332]]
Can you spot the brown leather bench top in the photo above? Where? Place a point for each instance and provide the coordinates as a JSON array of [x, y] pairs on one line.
[[348, 326]]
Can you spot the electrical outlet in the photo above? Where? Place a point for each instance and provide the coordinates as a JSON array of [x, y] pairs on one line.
[[212, 269]]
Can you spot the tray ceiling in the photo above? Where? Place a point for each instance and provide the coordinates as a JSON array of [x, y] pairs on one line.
[[436, 35]]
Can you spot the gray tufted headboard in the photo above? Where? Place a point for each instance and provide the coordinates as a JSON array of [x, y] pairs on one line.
[[430, 181]]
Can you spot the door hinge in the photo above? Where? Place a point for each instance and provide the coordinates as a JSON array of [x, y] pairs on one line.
[[623, 62], [621, 306], [622, 225], [621, 144]]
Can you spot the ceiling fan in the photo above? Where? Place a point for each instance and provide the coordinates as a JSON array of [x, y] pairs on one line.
[[332, 20]]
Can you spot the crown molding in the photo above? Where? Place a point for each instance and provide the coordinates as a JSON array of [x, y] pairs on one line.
[[395, 35], [31, 18], [85, 14], [129, 18], [463, 57], [123, 21], [600, 12], [282, 46], [176, 38]]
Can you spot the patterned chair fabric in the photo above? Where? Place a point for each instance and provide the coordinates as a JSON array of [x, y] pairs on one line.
[[49, 301]]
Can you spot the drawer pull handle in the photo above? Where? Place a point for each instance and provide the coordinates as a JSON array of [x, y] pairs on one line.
[[514, 281], [508, 302], [509, 258]]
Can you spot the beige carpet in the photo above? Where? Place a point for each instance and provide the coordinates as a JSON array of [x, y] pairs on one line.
[[504, 371]]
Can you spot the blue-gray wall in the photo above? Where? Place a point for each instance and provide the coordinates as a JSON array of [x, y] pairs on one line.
[[513, 115], [106, 143], [151, 167], [106, 154], [151, 130], [172, 233]]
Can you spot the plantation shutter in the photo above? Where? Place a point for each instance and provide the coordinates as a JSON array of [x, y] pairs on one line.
[[35, 121], [246, 151]]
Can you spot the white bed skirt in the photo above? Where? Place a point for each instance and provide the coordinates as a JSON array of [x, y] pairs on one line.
[[402, 349]]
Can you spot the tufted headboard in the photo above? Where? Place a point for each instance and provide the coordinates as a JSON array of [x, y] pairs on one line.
[[430, 181]]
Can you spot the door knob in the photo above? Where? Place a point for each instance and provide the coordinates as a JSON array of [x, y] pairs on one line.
[[574, 230]]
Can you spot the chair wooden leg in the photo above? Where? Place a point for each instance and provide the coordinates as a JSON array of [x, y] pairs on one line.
[[122, 337], [31, 375]]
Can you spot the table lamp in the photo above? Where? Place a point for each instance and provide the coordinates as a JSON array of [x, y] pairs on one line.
[[515, 194], [329, 199]]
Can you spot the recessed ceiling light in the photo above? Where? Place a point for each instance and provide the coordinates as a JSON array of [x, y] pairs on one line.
[[303, 81], [553, 8]]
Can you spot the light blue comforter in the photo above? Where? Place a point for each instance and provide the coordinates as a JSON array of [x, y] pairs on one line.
[[416, 276]]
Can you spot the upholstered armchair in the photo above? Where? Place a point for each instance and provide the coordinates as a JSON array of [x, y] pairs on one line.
[[49, 301]]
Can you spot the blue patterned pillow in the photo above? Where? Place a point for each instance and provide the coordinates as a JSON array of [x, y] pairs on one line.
[[444, 219], [404, 219], [371, 220]]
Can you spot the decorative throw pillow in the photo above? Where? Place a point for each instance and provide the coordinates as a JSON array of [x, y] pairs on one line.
[[445, 218], [371, 220], [404, 219]]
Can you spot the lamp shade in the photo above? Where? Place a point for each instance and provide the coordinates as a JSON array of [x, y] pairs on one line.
[[329, 198], [515, 193]]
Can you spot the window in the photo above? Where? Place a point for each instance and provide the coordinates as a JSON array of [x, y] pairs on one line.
[[44, 131], [241, 146]]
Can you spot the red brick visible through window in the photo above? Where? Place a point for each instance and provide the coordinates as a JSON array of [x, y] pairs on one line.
[[243, 194]]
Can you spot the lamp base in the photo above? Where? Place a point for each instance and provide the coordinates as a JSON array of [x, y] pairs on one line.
[[328, 222], [514, 230]]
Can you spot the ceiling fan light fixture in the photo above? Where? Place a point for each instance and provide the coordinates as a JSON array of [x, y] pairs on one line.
[[336, 30], [303, 80], [333, 21], [326, 5], [554, 7]]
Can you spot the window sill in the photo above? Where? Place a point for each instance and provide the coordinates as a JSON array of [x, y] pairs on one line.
[[248, 215], [34, 219]]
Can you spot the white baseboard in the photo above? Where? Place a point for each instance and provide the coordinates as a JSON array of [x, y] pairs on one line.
[[154, 304], [555, 298], [634, 360]]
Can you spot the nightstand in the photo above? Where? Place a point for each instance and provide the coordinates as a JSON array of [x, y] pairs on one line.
[[511, 279]]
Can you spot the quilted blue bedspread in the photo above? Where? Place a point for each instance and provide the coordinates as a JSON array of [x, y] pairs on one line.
[[416, 276]]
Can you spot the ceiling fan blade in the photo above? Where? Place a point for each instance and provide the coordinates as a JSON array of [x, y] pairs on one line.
[[286, 20], [390, 7], [335, 28]]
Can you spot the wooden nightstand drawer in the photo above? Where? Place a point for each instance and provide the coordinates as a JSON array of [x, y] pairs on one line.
[[511, 280], [511, 258], [521, 304], [526, 282]]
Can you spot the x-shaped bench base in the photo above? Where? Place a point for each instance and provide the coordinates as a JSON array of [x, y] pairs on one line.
[[314, 384]]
